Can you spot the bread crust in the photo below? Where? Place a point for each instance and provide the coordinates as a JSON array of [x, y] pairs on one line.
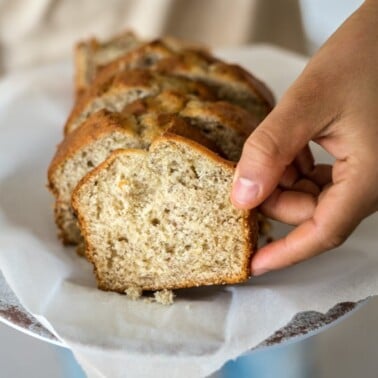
[[147, 56], [187, 106], [233, 74], [231, 115], [141, 80], [86, 66], [190, 62], [98, 125]]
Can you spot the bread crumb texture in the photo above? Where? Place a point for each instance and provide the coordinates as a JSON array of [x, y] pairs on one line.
[[134, 292], [164, 297]]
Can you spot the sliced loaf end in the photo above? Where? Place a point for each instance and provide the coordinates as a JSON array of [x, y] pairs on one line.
[[78, 154], [91, 55]]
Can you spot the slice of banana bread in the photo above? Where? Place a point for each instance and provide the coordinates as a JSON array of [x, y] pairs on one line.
[[148, 55], [91, 55], [162, 219], [126, 87], [78, 154], [227, 125], [229, 81]]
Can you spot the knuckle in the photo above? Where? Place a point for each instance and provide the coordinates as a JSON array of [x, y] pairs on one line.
[[330, 239], [292, 259], [264, 147], [306, 99], [311, 86]]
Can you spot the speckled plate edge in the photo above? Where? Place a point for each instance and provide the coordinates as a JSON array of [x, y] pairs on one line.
[[13, 314], [303, 324]]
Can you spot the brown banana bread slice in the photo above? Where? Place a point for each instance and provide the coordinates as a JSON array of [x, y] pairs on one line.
[[91, 55], [126, 87], [78, 154], [149, 55], [227, 125], [229, 81], [163, 219]]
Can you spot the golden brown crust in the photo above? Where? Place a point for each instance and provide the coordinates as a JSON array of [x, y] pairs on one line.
[[249, 216], [192, 63], [169, 102], [99, 124], [86, 66], [178, 126], [131, 50], [227, 114], [104, 122], [143, 57], [149, 55], [137, 80], [75, 202], [237, 74], [221, 112], [83, 68], [195, 144], [172, 104]]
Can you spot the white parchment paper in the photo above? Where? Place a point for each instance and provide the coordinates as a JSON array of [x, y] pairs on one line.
[[110, 335]]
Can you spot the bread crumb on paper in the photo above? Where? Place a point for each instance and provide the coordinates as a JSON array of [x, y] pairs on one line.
[[134, 292], [164, 297]]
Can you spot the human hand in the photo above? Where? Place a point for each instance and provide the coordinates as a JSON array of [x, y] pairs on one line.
[[334, 102]]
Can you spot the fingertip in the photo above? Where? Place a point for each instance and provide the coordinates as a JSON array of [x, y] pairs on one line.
[[244, 193], [274, 257], [259, 264], [289, 207], [259, 272]]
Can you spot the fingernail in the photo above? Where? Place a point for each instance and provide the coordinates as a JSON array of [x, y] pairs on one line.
[[236, 175], [259, 272], [245, 191]]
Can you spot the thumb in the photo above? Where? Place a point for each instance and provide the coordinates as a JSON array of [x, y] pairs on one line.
[[268, 151]]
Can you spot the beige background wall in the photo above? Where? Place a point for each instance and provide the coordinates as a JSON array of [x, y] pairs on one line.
[[36, 31]]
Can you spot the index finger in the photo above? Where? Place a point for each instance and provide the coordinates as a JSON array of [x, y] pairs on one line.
[[340, 210]]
